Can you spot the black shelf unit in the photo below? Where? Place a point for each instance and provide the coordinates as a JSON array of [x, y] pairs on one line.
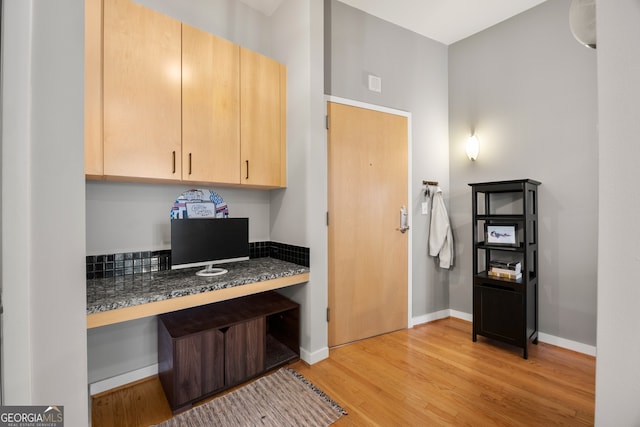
[[506, 309]]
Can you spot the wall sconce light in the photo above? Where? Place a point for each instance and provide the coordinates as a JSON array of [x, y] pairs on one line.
[[473, 147]]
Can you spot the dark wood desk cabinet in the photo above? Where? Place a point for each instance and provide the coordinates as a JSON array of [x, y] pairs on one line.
[[206, 349], [505, 232]]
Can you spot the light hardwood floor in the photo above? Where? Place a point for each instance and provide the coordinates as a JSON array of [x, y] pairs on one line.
[[432, 374]]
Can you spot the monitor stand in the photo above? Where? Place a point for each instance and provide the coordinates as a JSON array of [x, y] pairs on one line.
[[211, 271]]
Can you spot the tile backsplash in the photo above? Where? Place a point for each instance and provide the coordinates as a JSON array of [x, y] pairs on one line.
[[120, 264], [111, 265]]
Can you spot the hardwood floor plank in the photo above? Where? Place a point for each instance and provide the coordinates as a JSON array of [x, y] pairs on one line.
[[141, 404], [432, 374]]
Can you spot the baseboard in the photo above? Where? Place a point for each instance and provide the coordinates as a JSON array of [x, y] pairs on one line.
[[442, 314], [462, 315], [122, 379], [430, 317], [568, 344], [314, 357], [542, 337]]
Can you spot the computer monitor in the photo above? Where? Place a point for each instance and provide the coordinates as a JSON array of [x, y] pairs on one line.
[[208, 241]]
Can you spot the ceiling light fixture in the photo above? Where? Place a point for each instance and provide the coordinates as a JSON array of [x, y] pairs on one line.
[[582, 21]]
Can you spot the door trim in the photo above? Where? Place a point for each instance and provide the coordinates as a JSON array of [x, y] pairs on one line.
[[354, 103]]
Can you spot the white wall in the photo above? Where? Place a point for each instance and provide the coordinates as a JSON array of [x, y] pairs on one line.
[[617, 367], [43, 204], [528, 88]]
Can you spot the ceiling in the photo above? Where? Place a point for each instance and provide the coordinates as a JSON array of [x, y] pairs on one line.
[[446, 21]]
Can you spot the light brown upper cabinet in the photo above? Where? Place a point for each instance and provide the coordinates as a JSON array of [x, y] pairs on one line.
[[210, 108], [141, 92], [263, 120], [93, 165], [166, 102]]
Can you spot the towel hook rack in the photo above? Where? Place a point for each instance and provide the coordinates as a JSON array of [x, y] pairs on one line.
[[427, 193]]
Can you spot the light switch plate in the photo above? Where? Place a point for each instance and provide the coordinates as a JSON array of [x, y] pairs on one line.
[[425, 208], [375, 83]]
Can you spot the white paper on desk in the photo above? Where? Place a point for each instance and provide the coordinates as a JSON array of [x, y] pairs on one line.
[[201, 209]]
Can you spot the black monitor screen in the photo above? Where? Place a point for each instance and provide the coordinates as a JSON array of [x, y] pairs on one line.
[[206, 241]]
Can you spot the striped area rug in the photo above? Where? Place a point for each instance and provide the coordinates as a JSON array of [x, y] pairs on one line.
[[284, 398]]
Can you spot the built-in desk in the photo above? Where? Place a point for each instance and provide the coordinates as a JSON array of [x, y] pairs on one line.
[[123, 298]]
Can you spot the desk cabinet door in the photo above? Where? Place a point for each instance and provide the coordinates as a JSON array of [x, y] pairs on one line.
[[245, 351], [199, 365], [188, 369], [212, 361]]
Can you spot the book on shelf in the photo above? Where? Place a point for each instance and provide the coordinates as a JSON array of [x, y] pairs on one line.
[[505, 271], [503, 275], [514, 266]]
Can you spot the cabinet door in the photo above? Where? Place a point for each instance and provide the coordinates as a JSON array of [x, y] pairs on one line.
[[263, 120], [187, 365], [212, 361], [93, 88], [210, 108], [244, 351], [142, 87], [499, 313]]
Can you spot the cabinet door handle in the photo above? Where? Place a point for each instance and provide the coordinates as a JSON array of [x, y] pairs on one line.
[[189, 163], [174, 161], [247, 162]]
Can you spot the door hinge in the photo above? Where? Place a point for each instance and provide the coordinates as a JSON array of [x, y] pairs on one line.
[[327, 314], [326, 121], [327, 218]]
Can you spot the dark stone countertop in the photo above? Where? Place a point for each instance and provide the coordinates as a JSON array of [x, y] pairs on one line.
[[131, 290]]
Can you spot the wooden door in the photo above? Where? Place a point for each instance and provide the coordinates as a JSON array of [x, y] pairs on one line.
[[263, 120], [210, 108], [142, 91], [368, 255]]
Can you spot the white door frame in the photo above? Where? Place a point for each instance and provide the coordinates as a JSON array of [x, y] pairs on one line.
[[353, 103]]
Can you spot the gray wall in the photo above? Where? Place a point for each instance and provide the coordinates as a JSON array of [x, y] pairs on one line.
[[413, 70], [124, 217], [229, 19], [617, 367], [298, 213], [44, 289], [529, 90]]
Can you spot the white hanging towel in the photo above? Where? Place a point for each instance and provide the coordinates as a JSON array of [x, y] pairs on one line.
[[440, 236]]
